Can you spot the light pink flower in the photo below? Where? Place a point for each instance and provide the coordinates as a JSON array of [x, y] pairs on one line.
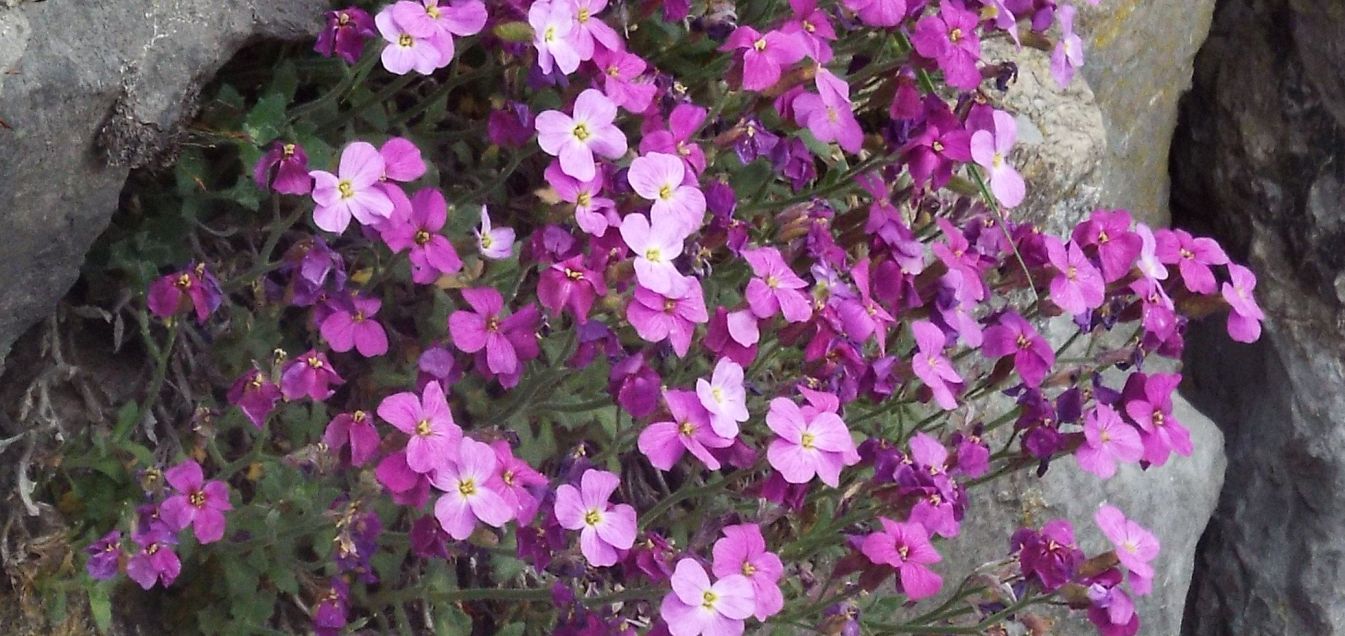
[[471, 487], [352, 191], [810, 442], [621, 71], [1135, 546], [1068, 54], [603, 528], [553, 26], [742, 550], [775, 288], [440, 22], [494, 243], [434, 437], [931, 366], [695, 607], [588, 27], [672, 316], [405, 52], [829, 119], [574, 139], [660, 178], [656, 245], [1079, 285], [1244, 320], [1107, 441], [593, 212], [724, 397], [990, 149], [665, 442]]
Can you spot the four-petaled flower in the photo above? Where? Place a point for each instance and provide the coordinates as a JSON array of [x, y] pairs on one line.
[[471, 485], [696, 607], [906, 547], [427, 420], [198, 503], [603, 528], [811, 441], [575, 138]]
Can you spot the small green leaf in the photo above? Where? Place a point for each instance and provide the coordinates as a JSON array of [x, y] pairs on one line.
[[513, 31], [266, 119], [100, 605]]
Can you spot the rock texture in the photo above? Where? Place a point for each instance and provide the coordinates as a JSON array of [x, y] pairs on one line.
[[88, 90], [1259, 162], [1140, 56]]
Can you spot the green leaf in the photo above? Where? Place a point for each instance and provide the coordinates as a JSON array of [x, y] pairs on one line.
[[513, 31], [515, 629], [100, 605], [266, 119], [452, 621]]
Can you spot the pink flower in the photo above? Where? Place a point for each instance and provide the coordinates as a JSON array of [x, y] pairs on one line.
[[829, 119], [310, 374], [931, 366], [1148, 402], [906, 547], [684, 121], [351, 192], [588, 27], [742, 550], [665, 442], [494, 243], [290, 165], [724, 397], [353, 327], [878, 13], [812, 25], [660, 178], [570, 286], [695, 607], [194, 286], [1192, 256], [198, 503], [1244, 321], [862, 317], [990, 148], [593, 212], [355, 429], [775, 288], [428, 421], [485, 328], [154, 562], [764, 56], [432, 255], [656, 244], [603, 528], [811, 441], [1135, 546], [256, 395], [553, 26], [1078, 287], [345, 33], [1068, 54], [621, 71], [733, 335], [518, 479], [1032, 355], [672, 316], [574, 139], [1148, 262], [949, 38], [1107, 442], [405, 52], [471, 485], [1108, 233], [440, 22]]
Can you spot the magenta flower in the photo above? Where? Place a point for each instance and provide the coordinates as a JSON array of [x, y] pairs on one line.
[[1148, 402], [764, 56], [345, 34], [811, 441], [1108, 232], [938, 147], [878, 13], [1032, 355], [656, 242], [724, 397], [351, 192], [1135, 546], [621, 71], [660, 178], [695, 607], [439, 22], [664, 443], [198, 503], [603, 528], [812, 25], [906, 547], [829, 119], [776, 288], [1107, 442], [862, 316], [194, 285], [672, 316], [1078, 287], [353, 327], [485, 328], [1244, 321], [494, 243], [1051, 557], [310, 374], [154, 562], [949, 38], [517, 479], [593, 212], [404, 51], [1068, 54], [354, 429], [990, 149], [931, 366], [284, 168], [104, 556], [570, 286], [255, 395], [684, 122], [471, 485], [1192, 256], [434, 437], [742, 550], [733, 335], [553, 26], [330, 613], [574, 139], [431, 255]]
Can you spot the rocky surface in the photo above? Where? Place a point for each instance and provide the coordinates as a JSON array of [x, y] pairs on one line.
[[86, 93], [1260, 163]]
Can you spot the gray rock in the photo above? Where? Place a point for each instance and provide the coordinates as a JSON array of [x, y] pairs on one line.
[[86, 93], [1258, 163]]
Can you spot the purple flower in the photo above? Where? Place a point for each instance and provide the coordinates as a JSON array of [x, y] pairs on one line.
[[878, 13], [345, 34], [310, 374], [862, 316], [154, 562], [283, 168], [1068, 54], [504, 339], [724, 396], [742, 551], [194, 285], [672, 316], [351, 192], [1108, 441], [256, 395], [931, 366], [198, 503], [906, 547], [621, 71], [593, 212], [1108, 233], [733, 335], [695, 607], [510, 126], [665, 442], [949, 38], [355, 429], [471, 485], [1050, 557], [775, 287], [330, 612], [1148, 402], [574, 139], [830, 118], [570, 286], [764, 56], [661, 178], [990, 148], [810, 441], [1192, 256], [1012, 335], [432, 255], [942, 143], [634, 384], [1244, 321], [603, 528], [353, 327], [754, 141], [1079, 286], [104, 556], [434, 436]]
